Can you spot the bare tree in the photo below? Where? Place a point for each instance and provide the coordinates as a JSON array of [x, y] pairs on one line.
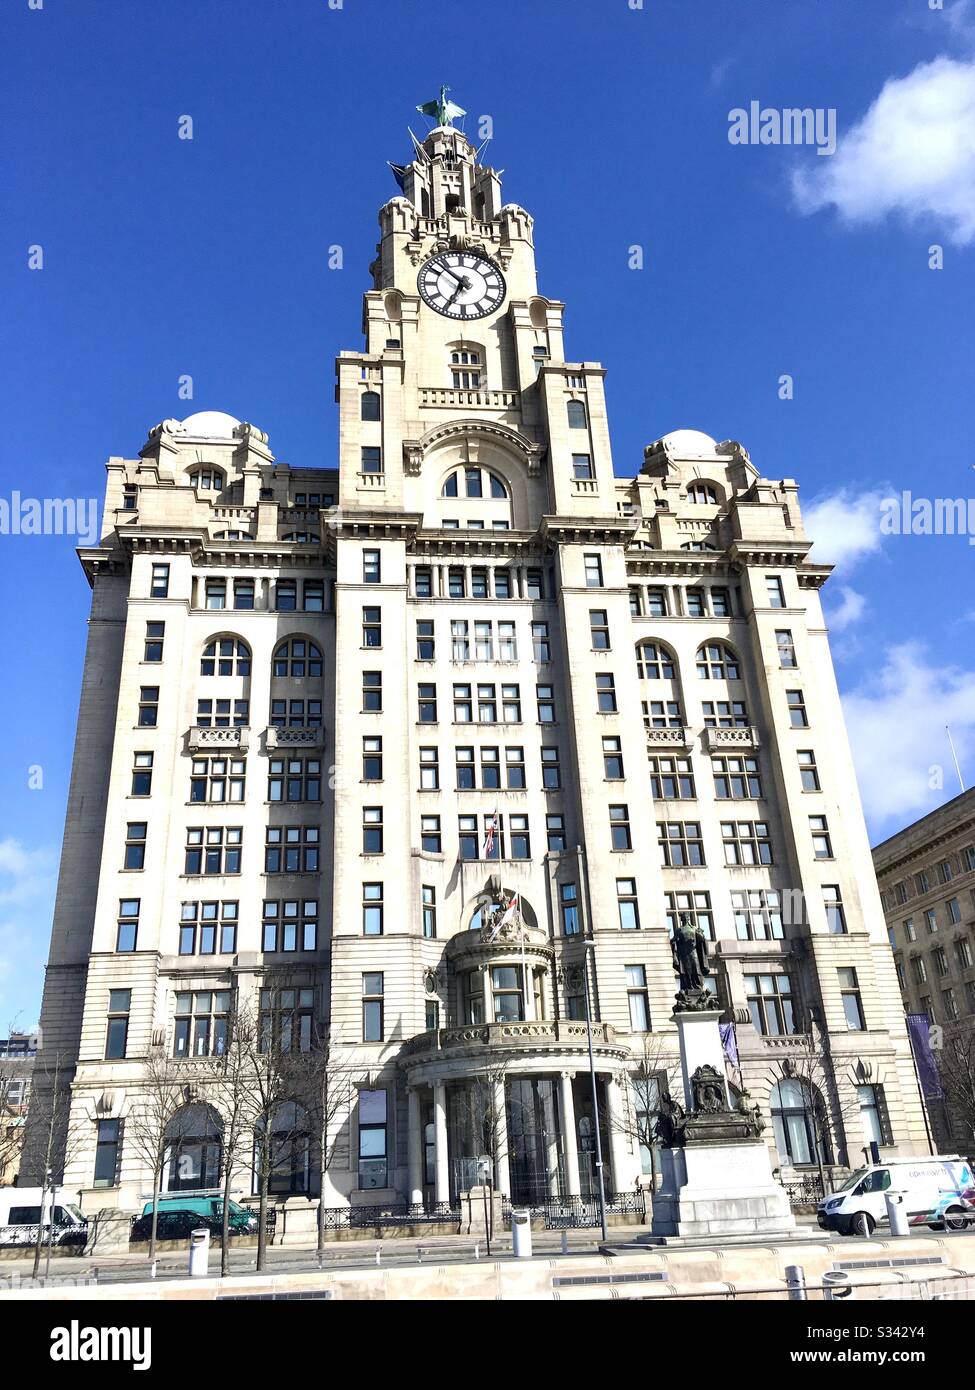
[[956, 1069], [228, 1083], [810, 1063], [56, 1137], [656, 1074], [322, 1082], [164, 1090]]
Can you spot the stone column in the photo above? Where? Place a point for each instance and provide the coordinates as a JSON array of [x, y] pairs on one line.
[[501, 1111], [486, 988], [442, 1175], [415, 1146], [528, 991], [619, 1144], [569, 1141]]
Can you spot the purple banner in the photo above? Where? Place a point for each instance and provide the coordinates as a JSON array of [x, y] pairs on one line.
[[729, 1043], [919, 1032]]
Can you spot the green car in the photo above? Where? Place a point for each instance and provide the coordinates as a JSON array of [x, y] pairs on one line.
[[181, 1214]]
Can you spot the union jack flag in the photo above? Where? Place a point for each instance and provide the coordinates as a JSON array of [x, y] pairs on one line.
[[491, 836]]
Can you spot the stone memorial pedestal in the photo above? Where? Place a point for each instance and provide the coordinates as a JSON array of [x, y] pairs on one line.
[[717, 1172]]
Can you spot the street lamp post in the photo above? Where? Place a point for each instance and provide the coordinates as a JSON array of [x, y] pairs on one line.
[[587, 947]]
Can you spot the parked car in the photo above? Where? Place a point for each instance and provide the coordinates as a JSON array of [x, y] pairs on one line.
[[21, 1210], [178, 1216], [938, 1192]]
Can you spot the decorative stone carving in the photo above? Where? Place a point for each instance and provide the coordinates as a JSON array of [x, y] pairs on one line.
[[708, 1088]]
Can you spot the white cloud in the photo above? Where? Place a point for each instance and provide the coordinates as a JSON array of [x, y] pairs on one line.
[[913, 154], [849, 610], [896, 722], [844, 526], [27, 883]]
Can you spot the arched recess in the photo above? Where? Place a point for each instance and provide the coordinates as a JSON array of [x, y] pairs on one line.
[[223, 692], [800, 1123], [661, 689], [487, 445], [286, 1152], [194, 1148]]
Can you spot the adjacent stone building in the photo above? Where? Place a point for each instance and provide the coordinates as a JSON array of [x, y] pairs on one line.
[[926, 874], [392, 747]]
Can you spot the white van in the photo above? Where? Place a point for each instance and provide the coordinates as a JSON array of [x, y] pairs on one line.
[[20, 1215], [938, 1191]]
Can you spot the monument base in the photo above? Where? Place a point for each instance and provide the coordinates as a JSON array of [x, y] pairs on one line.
[[720, 1189]]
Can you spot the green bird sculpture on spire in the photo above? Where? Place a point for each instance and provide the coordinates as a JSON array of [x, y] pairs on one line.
[[441, 109]]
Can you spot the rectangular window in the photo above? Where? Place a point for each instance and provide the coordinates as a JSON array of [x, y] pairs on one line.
[[467, 842], [758, 914], [940, 959], [216, 593], [541, 646], [725, 714], [160, 581], [372, 691], [619, 828], [551, 769], [736, 779], [555, 834], [808, 771], [484, 641], [833, 903], [599, 629], [746, 842], [662, 714], [117, 1032], [721, 603], [922, 881], [427, 703], [213, 850], [511, 704], [874, 1116], [797, 709], [776, 594], [423, 581], [372, 1140], [372, 830], [371, 459], [613, 759], [285, 1020], [606, 693], [127, 934], [372, 759], [638, 998], [786, 648], [208, 929], [519, 839], [502, 583], [155, 635], [430, 836], [920, 969], [626, 904], [222, 714], [822, 844], [696, 906], [460, 644], [295, 714], [945, 872], [372, 627], [291, 849], [371, 567], [479, 583], [931, 919], [569, 907], [218, 779], [657, 603], [286, 596], [429, 769], [426, 647], [850, 993], [200, 1025], [107, 1147], [545, 696], [290, 924], [372, 909], [770, 1004], [294, 779], [954, 911], [148, 706], [372, 1006], [680, 844], [244, 594], [313, 591], [463, 705], [428, 896], [487, 705], [909, 932], [135, 845], [671, 779], [507, 642], [695, 603], [594, 571], [582, 467], [142, 774], [533, 586]]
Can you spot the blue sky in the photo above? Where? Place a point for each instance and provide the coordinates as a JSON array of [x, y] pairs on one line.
[[164, 257]]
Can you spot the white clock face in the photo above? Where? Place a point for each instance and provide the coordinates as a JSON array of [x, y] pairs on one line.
[[461, 285]]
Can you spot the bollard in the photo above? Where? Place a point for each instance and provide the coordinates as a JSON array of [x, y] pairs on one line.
[[795, 1277], [378, 1255], [477, 1250], [836, 1284], [897, 1214], [565, 1242], [199, 1253], [419, 1254], [521, 1235]]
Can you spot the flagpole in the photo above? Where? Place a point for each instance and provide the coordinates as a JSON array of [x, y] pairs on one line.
[[951, 745]]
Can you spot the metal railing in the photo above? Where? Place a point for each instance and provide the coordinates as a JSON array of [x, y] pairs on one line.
[[25, 1237]]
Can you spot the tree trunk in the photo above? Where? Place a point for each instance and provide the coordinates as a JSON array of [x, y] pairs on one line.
[[156, 1182], [265, 1179], [39, 1242], [225, 1225]]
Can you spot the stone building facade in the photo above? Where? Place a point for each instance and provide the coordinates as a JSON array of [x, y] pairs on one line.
[[394, 747], [926, 874]]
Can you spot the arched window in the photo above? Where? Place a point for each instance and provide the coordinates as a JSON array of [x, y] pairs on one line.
[[302, 537], [194, 1148], [717, 662], [298, 658], [369, 405], [233, 536], [576, 413], [473, 482], [697, 545], [287, 1154], [654, 662], [226, 656], [799, 1122], [703, 494], [207, 479]]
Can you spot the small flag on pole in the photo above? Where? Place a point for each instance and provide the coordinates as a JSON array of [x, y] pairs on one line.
[[491, 836], [508, 915]]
